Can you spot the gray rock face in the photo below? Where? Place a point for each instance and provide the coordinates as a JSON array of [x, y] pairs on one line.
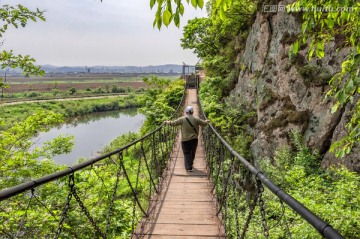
[[289, 94]]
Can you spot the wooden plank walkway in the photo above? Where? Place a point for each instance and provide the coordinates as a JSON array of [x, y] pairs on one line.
[[185, 207]]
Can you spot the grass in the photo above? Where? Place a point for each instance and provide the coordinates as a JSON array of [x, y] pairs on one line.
[[10, 114]]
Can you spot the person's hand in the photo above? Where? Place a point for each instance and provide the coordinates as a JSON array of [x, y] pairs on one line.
[[207, 121], [167, 122]]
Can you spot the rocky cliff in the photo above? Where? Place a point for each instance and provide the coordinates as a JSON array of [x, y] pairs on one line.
[[288, 93]]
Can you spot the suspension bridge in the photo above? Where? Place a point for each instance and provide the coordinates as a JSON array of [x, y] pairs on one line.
[[143, 191]]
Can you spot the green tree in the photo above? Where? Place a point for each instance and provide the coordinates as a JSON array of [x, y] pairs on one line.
[[16, 16], [72, 90], [214, 38], [19, 159], [160, 100], [197, 36], [55, 92]]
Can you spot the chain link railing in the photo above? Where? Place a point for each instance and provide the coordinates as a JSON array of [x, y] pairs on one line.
[[250, 205], [107, 196], [104, 197]]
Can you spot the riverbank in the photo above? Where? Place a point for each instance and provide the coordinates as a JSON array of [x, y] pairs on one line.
[[11, 114]]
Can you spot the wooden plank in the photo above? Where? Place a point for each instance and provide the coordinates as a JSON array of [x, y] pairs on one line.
[[187, 219], [185, 229], [196, 206], [186, 207]]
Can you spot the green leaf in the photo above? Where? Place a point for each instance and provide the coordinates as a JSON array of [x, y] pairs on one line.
[[167, 17], [349, 86], [311, 53], [341, 96], [158, 22], [194, 3], [181, 9], [222, 13], [152, 3], [177, 19], [330, 23], [201, 3], [168, 6], [320, 49], [296, 47]]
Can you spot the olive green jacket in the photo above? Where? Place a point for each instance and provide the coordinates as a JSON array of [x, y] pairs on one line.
[[187, 132]]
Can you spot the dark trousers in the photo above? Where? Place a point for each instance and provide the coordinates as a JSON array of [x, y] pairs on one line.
[[189, 150]]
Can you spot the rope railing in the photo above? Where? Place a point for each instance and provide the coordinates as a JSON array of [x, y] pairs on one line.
[[104, 197], [250, 204]]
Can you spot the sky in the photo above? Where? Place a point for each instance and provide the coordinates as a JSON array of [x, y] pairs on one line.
[[90, 33]]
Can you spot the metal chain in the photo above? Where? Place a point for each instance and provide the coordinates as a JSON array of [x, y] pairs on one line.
[[224, 193], [42, 204], [22, 220], [66, 207], [147, 167], [284, 218], [153, 155], [102, 180], [162, 163], [262, 209], [84, 209], [235, 203], [136, 189], [218, 169], [248, 219], [132, 188], [112, 202]]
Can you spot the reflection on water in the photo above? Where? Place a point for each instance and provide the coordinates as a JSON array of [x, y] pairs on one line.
[[92, 132]]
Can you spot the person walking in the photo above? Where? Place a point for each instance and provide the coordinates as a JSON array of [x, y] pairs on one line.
[[189, 134]]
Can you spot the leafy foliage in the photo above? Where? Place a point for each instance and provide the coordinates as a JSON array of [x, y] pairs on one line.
[[229, 115], [213, 38], [43, 208], [332, 193], [197, 36], [18, 156], [160, 101], [15, 16], [171, 10], [321, 25]]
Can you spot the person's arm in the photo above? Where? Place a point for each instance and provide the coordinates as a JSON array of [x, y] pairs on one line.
[[202, 122], [175, 122]]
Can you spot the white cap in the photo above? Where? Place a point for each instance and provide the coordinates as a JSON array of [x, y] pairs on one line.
[[189, 109]]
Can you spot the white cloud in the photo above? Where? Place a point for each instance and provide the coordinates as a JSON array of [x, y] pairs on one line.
[[88, 32]]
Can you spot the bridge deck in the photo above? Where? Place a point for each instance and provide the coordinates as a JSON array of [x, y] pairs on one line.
[[185, 207]]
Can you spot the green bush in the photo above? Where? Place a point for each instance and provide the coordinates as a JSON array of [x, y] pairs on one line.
[[33, 94], [160, 101], [331, 194]]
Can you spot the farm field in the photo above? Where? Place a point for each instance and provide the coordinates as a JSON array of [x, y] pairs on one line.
[[80, 82]]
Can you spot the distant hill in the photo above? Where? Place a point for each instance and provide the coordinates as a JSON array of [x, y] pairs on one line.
[[169, 68]]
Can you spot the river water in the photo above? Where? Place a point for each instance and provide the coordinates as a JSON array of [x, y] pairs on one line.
[[92, 132]]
